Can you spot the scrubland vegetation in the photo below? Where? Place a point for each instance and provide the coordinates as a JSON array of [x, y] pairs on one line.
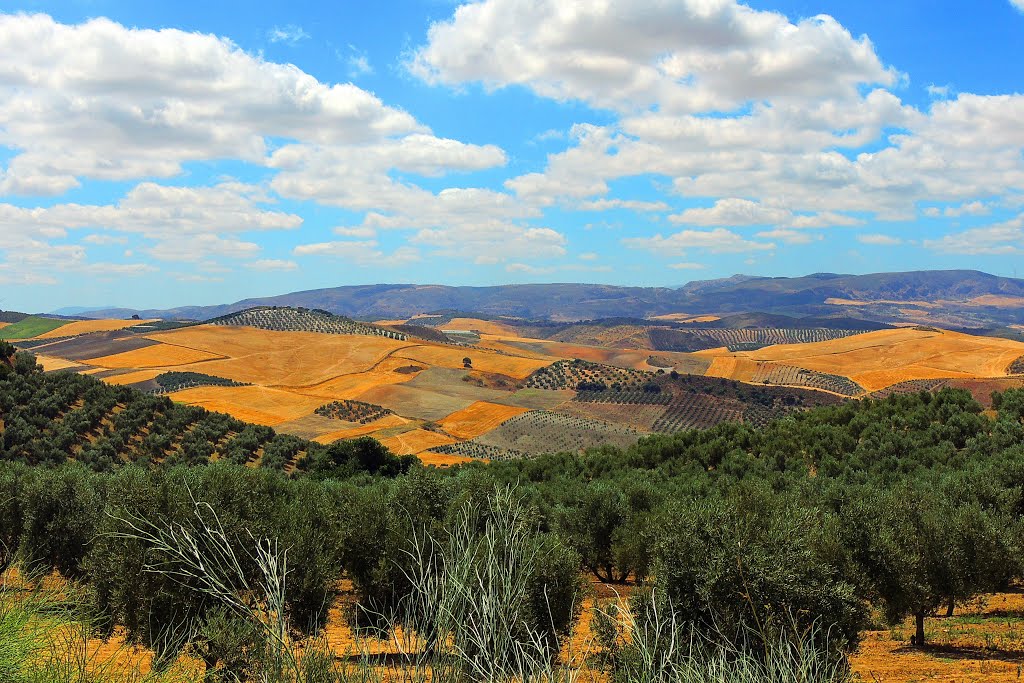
[[752, 554]]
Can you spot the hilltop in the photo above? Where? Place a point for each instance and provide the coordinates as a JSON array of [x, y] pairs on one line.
[[951, 298]]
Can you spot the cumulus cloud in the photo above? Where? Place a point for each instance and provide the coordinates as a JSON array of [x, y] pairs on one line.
[[627, 55], [880, 240], [360, 253], [1000, 239], [795, 105], [717, 241], [100, 100], [269, 265]]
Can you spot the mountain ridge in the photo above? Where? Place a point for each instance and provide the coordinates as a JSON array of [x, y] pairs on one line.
[[947, 297]]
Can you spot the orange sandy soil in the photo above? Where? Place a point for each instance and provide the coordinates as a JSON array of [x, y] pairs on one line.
[[983, 642], [87, 326], [260, 405], [159, 356], [876, 360], [479, 418], [3, 325], [414, 441]]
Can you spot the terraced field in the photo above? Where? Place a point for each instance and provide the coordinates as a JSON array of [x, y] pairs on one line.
[[789, 375], [698, 411], [302, 320], [700, 339], [539, 431]]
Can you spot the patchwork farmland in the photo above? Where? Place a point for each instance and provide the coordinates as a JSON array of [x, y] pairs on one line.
[[325, 378]]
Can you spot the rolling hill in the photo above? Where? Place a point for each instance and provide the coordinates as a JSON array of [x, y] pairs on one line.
[[951, 298]]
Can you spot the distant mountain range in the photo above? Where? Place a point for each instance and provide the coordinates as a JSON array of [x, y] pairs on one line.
[[951, 298]]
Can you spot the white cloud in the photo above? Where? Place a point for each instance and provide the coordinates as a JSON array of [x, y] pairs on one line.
[[632, 204], [357, 231], [732, 212], [360, 253], [624, 55], [99, 100], [789, 236], [291, 34], [269, 265], [879, 240], [687, 266], [794, 103], [717, 241], [1006, 238], [1019, 4], [588, 256]]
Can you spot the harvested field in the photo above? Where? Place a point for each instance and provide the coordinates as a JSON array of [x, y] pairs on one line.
[[126, 377], [415, 441], [629, 359], [313, 426], [434, 459], [363, 430], [481, 326], [157, 356], [290, 359], [3, 325], [415, 403], [537, 432], [478, 418], [449, 381], [259, 405], [96, 345], [451, 357], [51, 364], [78, 327], [875, 360]]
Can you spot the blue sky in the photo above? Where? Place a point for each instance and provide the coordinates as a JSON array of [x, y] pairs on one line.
[[161, 154]]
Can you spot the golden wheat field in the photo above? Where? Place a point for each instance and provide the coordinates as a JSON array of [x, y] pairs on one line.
[[876, 360], [89, 326], [284, 359], [260, 405], [158, 356], [479, 418]]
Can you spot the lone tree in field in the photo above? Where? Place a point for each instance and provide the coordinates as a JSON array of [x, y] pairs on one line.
[[467, 362]]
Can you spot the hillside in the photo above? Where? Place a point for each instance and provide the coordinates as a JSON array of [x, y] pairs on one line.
[[48, 418], [952, 298]]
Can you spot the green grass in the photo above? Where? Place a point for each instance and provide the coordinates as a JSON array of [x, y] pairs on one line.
[[30, 327]]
